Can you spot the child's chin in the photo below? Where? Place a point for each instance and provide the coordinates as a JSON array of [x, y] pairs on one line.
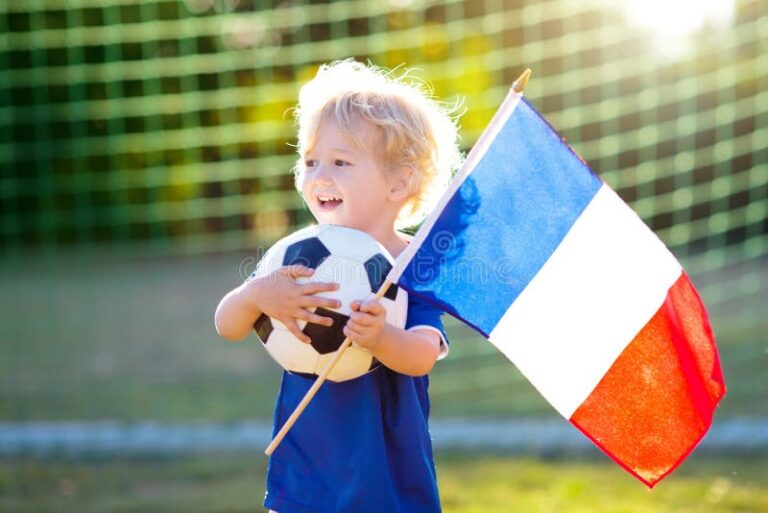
[[327, 216], [326, 219], [336, 221]]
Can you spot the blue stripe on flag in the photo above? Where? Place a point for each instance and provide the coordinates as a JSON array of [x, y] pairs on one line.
[[503, 222]]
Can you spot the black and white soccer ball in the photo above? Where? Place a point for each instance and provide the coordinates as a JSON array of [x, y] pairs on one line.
[[359, 264]]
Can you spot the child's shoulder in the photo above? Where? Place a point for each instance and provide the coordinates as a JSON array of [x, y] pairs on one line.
[[407, 234], [405, 237], [396, 248]]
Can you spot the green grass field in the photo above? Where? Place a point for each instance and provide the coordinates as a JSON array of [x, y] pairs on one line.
[[467, 485]]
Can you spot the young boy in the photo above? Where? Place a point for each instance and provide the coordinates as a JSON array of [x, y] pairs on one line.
[[375, 153]]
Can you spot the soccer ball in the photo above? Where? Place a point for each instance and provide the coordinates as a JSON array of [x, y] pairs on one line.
[[359, 264]]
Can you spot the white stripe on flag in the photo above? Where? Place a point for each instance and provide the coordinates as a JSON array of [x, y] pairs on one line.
[[602, 284]]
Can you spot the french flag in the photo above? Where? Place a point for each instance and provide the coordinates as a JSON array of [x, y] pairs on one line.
[[530, 248]]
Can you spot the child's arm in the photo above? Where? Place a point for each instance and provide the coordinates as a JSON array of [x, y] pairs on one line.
[[278, 296], [408, 352]]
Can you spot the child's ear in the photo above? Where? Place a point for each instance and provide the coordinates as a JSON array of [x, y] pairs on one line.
[[401, 187]]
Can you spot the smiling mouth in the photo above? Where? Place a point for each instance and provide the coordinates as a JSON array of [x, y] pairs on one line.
[[329, 202]]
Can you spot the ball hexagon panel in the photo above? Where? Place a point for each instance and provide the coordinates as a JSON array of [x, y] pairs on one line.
[[263, 327], [377, 267], [355, 362], [308, 252], [292, 353], [327, 339], [391, 292], [347, 241]]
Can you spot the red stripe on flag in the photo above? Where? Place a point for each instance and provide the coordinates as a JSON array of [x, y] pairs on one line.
[[656, 401]]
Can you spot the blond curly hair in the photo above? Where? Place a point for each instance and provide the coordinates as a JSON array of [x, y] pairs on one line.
[[415, 130]]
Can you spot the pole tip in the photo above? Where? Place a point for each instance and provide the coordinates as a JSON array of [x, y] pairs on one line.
[[519, 85]]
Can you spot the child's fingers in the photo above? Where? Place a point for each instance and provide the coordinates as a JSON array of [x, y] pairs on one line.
[[362, 318], [352, 333], [296, 271], [319, 301], [314, 318], [372, 307], [293, 327], [317, 287], [363, 321]]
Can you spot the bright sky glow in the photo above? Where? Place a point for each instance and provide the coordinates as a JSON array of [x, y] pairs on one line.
[[673, 22]]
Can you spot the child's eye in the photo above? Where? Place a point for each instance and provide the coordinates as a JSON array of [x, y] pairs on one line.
[[340, 163], [309, 163]]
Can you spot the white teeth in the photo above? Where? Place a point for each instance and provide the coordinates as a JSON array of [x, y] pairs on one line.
[[329, 198]]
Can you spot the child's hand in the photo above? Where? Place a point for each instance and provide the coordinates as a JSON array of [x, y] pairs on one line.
[[288, 301], [366, 323]]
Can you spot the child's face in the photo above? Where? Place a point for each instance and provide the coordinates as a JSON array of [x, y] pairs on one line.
[[344, 184]]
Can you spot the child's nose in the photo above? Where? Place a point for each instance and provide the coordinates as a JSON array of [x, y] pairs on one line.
[[322, 174]]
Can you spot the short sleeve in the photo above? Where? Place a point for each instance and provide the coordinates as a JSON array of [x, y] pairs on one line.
[[423, 315]]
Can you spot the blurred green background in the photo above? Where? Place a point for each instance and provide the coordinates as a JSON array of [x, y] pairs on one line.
[[145, 156]]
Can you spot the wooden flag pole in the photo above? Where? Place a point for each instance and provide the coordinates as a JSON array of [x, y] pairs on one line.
[[517, 86], [316, 385]]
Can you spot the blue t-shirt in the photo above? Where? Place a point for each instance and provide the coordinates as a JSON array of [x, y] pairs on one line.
[[361, 445]]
